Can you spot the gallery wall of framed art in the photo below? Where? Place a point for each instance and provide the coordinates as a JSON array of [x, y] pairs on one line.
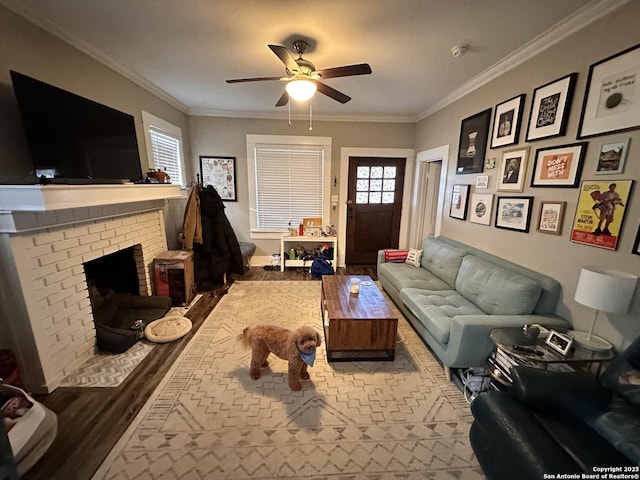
[[555, 163]]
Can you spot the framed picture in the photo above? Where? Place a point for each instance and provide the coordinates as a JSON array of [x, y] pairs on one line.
[[551, 217], [459, 202], [636, 244], [514, 213], [611, 156], [474, 131], [560, 342], [611, 100], [506, 122], [558, 166], [513, 169], [220, 173], [481, 205], [600, 212], [482, 181], [550, 108]]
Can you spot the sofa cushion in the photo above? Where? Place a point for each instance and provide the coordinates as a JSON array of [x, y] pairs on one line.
[[401, 275], [436, 309], [624, 379], [496, 290], [442, 259], [620, 426]]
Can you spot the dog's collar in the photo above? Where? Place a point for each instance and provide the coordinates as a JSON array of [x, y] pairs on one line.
[[308, 358]]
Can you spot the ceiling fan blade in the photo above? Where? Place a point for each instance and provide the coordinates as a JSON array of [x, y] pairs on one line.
[[332, 93], [255, 79], [285, 56], [283, 100], [346, 71]]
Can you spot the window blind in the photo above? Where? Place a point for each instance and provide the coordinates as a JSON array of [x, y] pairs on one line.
[[289, 183], [166, 154]]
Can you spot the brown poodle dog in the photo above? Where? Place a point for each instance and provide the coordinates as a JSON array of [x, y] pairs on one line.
[[286, 344]]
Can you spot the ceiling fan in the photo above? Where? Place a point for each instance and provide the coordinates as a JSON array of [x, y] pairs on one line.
[[302, 77]]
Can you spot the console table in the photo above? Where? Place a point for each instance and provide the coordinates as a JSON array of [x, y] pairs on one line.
[[287, 242]]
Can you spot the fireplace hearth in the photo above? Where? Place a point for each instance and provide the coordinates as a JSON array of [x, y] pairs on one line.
[[45, 248]]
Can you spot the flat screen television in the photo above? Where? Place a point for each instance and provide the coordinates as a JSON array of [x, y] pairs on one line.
[[73, 139]]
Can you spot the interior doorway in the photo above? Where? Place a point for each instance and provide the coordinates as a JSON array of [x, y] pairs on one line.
[[427, 200], [374, 207]]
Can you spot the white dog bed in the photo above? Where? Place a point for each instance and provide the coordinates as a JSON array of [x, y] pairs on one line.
[[167, 329]]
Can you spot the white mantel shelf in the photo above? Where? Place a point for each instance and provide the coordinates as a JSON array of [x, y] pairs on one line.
[[41, 198]]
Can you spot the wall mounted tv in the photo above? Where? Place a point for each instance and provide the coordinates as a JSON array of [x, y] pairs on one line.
[[73, 139]]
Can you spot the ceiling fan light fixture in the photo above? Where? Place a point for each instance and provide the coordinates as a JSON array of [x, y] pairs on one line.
[[301, 90]]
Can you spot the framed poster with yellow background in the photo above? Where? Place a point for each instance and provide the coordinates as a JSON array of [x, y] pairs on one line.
[[600, 212]]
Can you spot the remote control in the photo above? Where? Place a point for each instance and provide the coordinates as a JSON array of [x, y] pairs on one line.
[[524, 349]]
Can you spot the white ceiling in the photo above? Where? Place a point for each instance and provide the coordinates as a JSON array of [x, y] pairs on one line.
[[185, 50]]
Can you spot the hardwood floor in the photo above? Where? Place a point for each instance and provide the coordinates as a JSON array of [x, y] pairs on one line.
[[91, 420]]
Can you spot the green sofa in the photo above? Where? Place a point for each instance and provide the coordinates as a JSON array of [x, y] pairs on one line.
[[460, 293]]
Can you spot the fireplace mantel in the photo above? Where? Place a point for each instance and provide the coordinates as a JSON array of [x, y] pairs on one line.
[[42, 198]]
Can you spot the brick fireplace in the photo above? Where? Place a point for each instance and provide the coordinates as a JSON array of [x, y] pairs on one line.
[[45, 238]]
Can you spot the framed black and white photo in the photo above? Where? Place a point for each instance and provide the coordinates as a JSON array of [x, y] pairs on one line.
[[514, 213], [612, 99], [551, 217], [506, 122], [459, 202], [474, 132], [558, 166], [220, 173], [480, 208], [611, 156], [550, 108], [513, 169]]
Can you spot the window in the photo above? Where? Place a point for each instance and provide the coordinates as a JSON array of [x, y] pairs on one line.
[[164, 147], [288, 181]]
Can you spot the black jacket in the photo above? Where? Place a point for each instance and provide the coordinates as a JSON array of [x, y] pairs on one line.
[[219, 253]]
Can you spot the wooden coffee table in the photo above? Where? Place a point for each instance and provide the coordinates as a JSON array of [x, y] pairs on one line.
[[356, 326]]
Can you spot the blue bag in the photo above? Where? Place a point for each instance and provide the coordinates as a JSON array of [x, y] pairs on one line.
[[321, 266]]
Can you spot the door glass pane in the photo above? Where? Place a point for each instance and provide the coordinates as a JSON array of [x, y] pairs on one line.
[[362, 197], [389, 172], [375, 197], [387, 197], [389, 185], [376, 172], [362, 185], [363, 172], [376, 185]]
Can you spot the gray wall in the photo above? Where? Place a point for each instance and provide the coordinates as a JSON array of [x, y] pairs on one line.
[[28, 49], [556, 256], [227, 137]]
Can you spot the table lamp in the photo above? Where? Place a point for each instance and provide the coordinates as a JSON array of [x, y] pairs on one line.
[[604, 290]]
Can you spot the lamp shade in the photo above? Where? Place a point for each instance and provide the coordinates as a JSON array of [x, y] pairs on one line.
[[605, 290], [301, 90]]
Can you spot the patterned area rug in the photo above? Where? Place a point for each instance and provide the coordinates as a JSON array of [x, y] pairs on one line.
[[352, 421]]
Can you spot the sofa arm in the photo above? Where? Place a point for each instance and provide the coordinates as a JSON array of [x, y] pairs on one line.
[[573, 393]]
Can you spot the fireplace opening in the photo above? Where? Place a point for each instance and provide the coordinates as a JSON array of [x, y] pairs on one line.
[[120, 313], [116, 273]]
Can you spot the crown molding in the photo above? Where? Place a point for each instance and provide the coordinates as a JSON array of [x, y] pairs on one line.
[[579, 20], [205, 112], [591, 12], [27, 12]]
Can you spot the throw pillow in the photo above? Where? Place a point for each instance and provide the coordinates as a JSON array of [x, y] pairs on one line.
[[413, 257], [395, 255]]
